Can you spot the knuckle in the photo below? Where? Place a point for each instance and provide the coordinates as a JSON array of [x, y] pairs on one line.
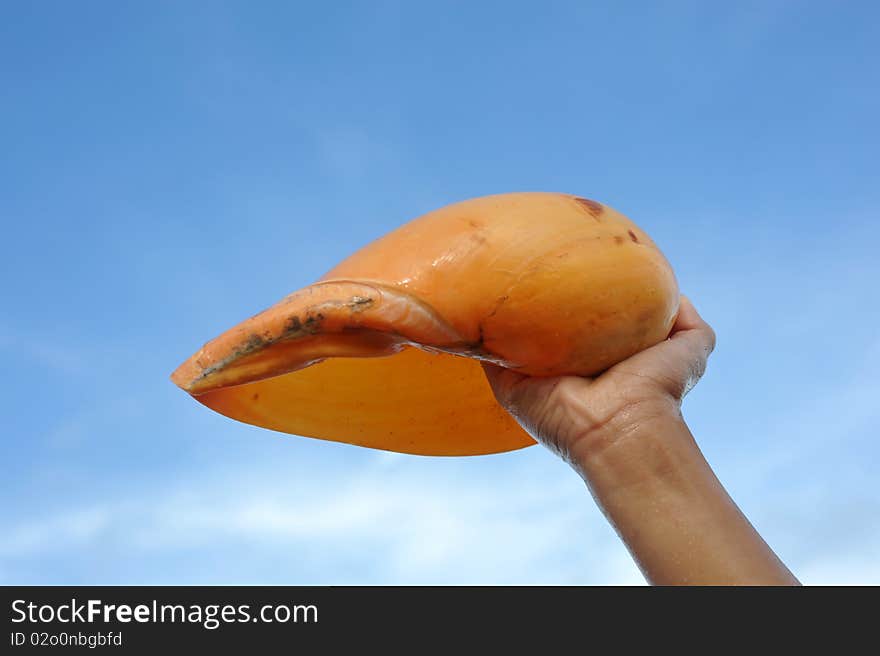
[[711, 338]]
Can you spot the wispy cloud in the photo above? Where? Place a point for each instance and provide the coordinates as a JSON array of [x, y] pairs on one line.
[[408, 527]]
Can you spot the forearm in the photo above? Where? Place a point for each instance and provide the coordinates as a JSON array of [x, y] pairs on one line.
[[681, 526]]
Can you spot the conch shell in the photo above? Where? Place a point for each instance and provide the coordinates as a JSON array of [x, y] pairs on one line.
[[384, 351]]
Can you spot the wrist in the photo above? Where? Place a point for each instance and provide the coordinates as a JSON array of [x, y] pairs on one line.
[[646, 442]]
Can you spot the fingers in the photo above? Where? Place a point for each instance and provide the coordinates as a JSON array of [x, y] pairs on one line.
[[688, 317], [675, 364], [696, 339], [501, 381], [525, 397], [691, 326], [521, 395], [540, 405]]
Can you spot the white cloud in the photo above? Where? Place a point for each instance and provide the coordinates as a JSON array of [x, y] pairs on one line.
[[857, 563], [66, 531], [409, 526]]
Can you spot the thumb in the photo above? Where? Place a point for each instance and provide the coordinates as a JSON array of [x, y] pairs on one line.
[[538, 404]]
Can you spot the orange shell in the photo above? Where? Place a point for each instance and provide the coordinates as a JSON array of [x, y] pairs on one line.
[[384, 350]]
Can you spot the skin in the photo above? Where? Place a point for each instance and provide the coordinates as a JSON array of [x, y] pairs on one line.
[[624, 433]]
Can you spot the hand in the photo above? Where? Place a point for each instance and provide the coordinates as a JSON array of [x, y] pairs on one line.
[[624, 433], [577, 416]]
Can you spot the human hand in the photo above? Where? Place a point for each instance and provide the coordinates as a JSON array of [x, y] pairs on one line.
[[575, 416]]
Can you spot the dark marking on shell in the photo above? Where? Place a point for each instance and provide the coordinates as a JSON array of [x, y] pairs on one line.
[[478, 238], [618, 240], [360, 303], [632, 236], [294, 325], [592, 207], [501, 301], [253, 343]]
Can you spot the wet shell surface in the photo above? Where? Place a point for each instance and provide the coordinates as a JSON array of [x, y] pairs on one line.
[[384, 350]]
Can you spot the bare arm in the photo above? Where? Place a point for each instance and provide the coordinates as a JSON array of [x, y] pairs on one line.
[[623, 432]]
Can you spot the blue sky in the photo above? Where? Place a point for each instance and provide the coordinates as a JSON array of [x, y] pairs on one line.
[[171, 168]]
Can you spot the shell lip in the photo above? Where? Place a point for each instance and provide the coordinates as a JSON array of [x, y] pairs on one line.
[[331, 318]]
